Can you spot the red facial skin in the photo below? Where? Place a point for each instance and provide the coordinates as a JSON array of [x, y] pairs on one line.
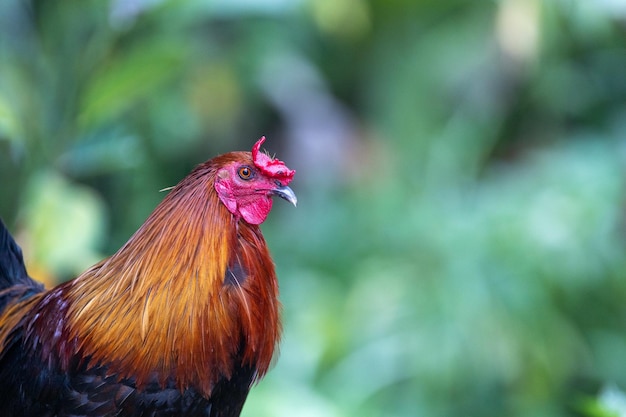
[[246, 189]]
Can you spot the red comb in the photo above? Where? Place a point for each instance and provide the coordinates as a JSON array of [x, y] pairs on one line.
[[273, 168]]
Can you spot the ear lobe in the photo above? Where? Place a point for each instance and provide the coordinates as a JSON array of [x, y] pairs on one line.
[[225, 193]]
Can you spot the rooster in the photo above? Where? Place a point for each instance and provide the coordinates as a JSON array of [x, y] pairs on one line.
[[180, 321]]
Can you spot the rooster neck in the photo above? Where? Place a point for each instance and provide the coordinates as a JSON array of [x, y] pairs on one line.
[[164, 307]]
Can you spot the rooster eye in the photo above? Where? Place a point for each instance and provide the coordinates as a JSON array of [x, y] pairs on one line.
[[245, 173]]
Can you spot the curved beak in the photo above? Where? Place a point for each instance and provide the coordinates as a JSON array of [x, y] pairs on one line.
[[287, 194]]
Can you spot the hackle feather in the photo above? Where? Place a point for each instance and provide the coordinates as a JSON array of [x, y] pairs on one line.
[[159, 306]]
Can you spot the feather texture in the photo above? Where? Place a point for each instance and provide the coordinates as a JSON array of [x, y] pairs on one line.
[[183, 317]]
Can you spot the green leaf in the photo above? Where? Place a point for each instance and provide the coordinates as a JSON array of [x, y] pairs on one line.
[[126, 80]]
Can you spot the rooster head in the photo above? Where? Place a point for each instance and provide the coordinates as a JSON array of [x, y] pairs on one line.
[[246, 185]]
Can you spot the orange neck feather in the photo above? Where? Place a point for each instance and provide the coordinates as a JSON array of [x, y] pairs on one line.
[[159, 306]]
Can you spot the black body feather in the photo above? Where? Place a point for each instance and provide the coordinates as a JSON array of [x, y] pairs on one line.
[[30, 388], [14, 280]]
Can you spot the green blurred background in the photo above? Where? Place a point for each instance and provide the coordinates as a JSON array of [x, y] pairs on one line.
[[459, 244]]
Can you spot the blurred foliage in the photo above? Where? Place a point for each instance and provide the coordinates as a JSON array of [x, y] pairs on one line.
[[459, 244]]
